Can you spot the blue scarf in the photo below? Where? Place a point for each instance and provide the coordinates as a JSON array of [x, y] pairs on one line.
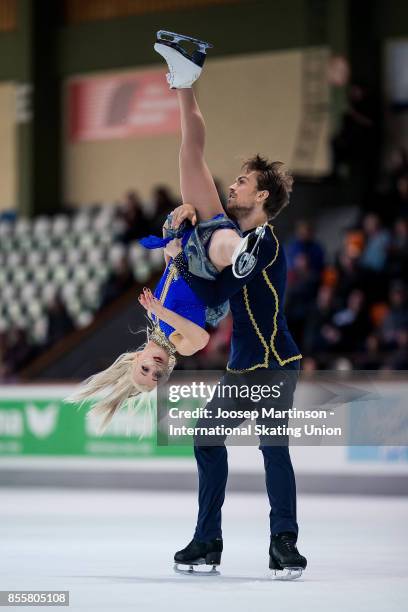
[[156, 242]]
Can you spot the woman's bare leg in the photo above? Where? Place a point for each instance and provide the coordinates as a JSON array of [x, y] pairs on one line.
[[196, 183]]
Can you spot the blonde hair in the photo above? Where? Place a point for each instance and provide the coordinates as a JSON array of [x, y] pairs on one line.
[[118, 381]]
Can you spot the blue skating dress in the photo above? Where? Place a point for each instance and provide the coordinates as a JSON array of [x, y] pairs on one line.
[[174, 293], [172, 290]]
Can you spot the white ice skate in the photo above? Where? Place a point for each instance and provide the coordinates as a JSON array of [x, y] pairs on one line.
[[245, 256], [184, 67]]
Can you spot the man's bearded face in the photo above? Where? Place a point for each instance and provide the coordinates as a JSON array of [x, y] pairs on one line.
[[242, 193]]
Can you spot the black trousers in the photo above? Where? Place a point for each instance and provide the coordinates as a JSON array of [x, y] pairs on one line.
[[212, 458]]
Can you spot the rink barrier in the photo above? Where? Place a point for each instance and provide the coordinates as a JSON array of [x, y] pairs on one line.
[[47, 443]]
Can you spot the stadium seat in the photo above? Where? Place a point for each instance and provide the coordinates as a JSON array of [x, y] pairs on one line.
[[61, 225], [69, 256], [84, 318], [39, 330]]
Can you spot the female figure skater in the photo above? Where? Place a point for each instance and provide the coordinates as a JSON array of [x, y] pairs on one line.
[[178, 316]]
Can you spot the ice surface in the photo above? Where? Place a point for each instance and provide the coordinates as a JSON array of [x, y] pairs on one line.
[[113, 551]]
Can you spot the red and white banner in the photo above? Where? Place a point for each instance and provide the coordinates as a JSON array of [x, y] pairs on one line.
[[122, 106]]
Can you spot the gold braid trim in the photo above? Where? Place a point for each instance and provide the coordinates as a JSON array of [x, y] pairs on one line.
[[277, 248], [155, 334], [275, 324], [258, 333], [170, 276]]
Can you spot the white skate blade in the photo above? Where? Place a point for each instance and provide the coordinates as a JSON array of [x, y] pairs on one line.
[[191, 569], [183, 72], [288, 573]]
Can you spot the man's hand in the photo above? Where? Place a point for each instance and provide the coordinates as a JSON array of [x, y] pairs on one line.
[[173, 248], [183, 212]]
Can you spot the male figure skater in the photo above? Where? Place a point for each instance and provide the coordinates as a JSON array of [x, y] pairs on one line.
[[261, 341]]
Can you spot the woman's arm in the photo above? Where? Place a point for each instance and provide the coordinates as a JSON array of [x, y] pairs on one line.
[[188, 337]]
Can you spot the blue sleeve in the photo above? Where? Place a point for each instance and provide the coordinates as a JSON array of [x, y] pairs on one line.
[[214, 293]]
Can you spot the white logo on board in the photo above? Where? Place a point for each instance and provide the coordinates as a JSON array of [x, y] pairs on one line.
[[41, 421]]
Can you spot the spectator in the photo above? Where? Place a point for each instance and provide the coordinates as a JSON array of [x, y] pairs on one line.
[[393, 202], [352, 323], [320, 315], [377, 239], [59, 321], [371, 358], [397, 263], [398, 360], [135, 222], [162, 204], [397, 318], [303, 282], [304, 243], [353, 243], [350, 276], [399, 162]]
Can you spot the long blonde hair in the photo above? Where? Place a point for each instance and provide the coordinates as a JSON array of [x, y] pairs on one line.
[[118, 381]]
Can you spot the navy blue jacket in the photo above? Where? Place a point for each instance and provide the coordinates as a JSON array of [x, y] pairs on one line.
[[260, 336]]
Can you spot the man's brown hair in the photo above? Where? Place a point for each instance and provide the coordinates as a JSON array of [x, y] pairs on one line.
[[272, 177]]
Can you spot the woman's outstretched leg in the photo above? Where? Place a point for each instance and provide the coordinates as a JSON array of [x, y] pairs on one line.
[[196, 183]]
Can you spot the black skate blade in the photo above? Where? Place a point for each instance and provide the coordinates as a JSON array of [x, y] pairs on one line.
[[173, 37], [191, 569], [287, 573]]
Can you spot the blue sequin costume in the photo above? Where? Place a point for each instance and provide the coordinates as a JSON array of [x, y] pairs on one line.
[[175, 294], [173, 291]]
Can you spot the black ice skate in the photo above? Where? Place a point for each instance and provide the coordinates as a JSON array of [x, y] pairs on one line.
[[284, 558], [199, 553], [245, 256], [184, 67]]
